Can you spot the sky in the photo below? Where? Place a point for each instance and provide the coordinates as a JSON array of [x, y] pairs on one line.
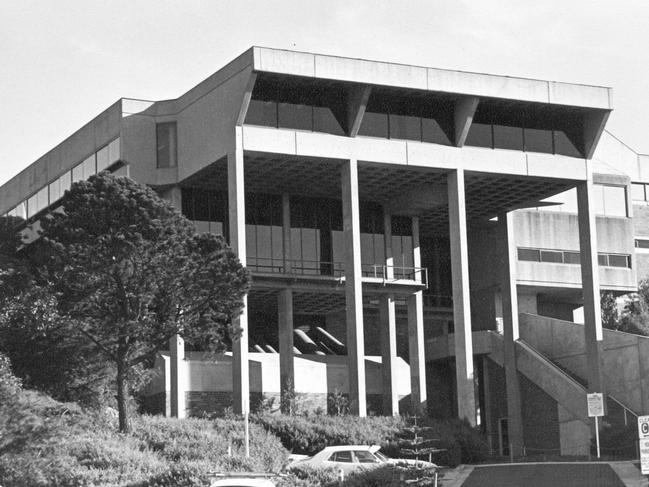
[[64, 62]]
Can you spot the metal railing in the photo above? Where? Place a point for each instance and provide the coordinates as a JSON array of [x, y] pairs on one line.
[[385, 273]]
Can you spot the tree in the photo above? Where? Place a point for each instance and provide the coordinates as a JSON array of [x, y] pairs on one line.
[[128, 272]]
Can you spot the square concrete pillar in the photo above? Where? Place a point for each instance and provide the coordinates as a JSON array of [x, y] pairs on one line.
[[177, 372], [416, 340], [509, 299], [286, 359], [461, 300], [237, 221], [590, 285], [353, 288], [388, 324]]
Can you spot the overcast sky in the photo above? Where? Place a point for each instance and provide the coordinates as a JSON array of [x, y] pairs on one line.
[[63, 62]]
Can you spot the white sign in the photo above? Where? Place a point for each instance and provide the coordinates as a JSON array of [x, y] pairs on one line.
[[644, 456], [643, 427], [595, 404]]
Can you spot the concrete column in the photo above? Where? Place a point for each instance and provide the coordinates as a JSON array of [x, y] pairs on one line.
[[486, 413], [353, 288], [416, 341], [286, 232], [590, 285], [388, 324], [286, 361], [509, 301], [461, 300], [177, 356], [237, 221]]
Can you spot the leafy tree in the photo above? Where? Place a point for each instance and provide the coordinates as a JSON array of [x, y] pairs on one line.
[[128, 272], [608, 307], [635, 317]]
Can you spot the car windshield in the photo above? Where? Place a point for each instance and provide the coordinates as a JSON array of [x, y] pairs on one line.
[[381, 456]]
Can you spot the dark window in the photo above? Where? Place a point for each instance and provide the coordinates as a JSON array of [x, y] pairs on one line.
[[552, 256], [405, 127], [432, 131], [531, 255], [565, 145], [295, 116], [364, 456], [480, 132], [341, 456], [507, 137], [602, 259], [262, 112], [374, 125], [617, 260], [571, 257], [166, 141], [642, 243], [538, 140]]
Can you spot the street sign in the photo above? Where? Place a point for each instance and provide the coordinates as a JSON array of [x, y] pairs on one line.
[[595, 404], [643, 427], [644, 456]]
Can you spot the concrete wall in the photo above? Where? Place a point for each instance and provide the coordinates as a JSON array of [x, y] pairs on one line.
[[549, 230], [208, 379], [625, 357]]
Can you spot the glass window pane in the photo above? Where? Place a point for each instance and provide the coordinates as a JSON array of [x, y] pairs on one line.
[[615, 200], [367, 249], [77, 173], [113, 153], [531, 255], [363, 456], [405, 127], [55, 191], [102, 159], [294, 116], [264, 242], [506, 137], [202, 226], [406, 248], [342, 456], [166, 142], [480, 135], [251, 244], [325, 121], [216, 228], [598, 199], [642, 243], [432, 131], [564, 145], [32, 206], [262, 113], [602, 259], [88, 166], [638, 192], [374, 125], [617, 260], [42, 198], [65, 181], [21, 210], [538, 140], [571, 257], [551, 256]]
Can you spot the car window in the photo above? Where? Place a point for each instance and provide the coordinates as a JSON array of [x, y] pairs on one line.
[[341, 456], [364, 456]]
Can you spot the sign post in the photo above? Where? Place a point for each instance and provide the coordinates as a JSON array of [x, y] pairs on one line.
[[643, 435], [596, 409]]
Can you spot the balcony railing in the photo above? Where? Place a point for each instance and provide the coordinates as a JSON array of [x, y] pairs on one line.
[[385, 273]]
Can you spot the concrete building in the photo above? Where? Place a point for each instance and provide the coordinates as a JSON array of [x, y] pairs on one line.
[[453, 220]]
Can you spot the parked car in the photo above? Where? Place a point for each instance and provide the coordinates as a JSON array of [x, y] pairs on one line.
[[243, 479], [353, 457]]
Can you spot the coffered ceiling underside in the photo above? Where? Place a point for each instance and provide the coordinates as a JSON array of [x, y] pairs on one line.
[[486, 194]]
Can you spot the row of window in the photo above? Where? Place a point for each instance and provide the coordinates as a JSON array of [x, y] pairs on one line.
[[531, 129], [607, 201], [571, 257], [52, 192], [305, 105]]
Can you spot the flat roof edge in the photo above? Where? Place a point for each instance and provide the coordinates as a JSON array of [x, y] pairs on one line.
[[356, 70]]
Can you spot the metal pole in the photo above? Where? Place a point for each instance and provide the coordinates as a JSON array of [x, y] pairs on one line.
[[597, 435], [247, 434]]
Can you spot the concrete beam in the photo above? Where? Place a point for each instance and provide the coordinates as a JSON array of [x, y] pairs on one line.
[[594, 124], [177, 372], [461, 300], [464, 111], [388, 324], [237, 221], [356, 104], [508, 253], [590, 286], [416, 341], [353, 288], [286, 360]]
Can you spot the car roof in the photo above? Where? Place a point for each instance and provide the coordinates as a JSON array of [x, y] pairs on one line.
[[371, 448]]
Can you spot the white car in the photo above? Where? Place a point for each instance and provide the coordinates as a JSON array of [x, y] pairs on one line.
[[242, 479], [353, 457]]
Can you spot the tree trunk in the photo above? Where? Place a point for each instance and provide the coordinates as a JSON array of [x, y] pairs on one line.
[[122, 396]]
